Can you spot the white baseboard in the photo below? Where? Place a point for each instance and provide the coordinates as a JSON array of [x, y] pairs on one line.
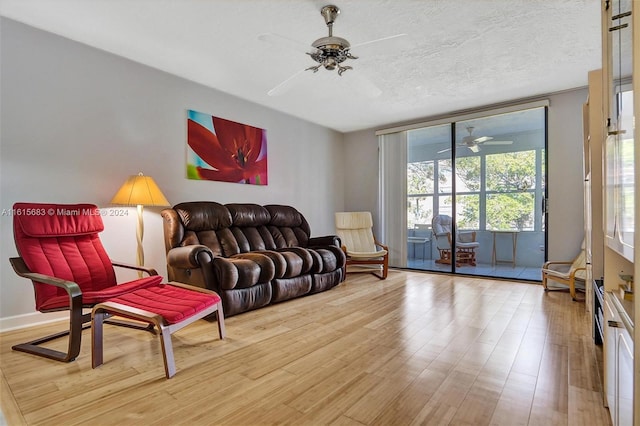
[[32, 319]]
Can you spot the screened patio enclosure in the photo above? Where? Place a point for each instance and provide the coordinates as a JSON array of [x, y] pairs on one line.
[[485, 176]]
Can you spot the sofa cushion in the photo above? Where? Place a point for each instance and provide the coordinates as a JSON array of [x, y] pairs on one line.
[[240, 273], [245, 299], [284, 216], [203, 216], [251, 239], [248, 214], [288, 227], [329, 261], [290, 288]]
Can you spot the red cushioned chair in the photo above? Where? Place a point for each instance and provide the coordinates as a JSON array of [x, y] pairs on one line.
[[61, 253]]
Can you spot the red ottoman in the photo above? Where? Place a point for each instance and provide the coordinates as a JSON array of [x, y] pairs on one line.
[[170, 307]]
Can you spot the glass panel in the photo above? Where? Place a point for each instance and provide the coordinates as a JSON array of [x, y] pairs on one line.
[[445, 205], [626, 168], [445, 180], [467, 174], [468, 179], [420, 177], [510, 212], [511, 171], [419, 211], [468, 212], [611, 191], [429, 176], [499, 191]]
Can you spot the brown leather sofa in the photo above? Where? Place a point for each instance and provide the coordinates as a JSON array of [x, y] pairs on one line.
[[251, 255]]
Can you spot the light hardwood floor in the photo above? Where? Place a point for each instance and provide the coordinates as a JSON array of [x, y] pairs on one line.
[[416, 348]]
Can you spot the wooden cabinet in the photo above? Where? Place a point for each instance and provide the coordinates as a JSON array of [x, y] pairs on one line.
[[618, 362], [624, 384], [619, 146], [621, 175]]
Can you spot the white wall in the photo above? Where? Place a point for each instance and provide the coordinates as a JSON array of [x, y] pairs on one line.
[[76, 122], [565, 174]]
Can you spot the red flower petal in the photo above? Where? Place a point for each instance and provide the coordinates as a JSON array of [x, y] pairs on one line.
[[207, 146], [236, 136]]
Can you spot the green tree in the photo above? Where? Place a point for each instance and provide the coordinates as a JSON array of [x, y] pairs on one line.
[[510, 174], [420, 177], [419, 181]]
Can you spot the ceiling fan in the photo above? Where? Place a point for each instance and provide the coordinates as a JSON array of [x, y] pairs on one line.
[[329, 52], [474, 143]]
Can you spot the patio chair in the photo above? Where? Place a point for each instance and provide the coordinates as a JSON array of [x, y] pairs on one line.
[[465, 243]]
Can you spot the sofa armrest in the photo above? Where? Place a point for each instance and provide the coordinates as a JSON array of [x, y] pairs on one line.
[[327, 240], [187, 257]]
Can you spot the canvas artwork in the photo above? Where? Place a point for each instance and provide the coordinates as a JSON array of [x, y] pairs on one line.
[[224, 150]]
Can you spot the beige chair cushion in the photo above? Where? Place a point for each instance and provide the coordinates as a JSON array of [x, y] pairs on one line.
[[564, 270], [355, 231], [441, 224]]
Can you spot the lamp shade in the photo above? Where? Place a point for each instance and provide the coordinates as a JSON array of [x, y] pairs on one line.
[[140, 190]]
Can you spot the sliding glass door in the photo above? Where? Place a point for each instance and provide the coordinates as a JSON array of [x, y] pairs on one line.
[[475, 191]]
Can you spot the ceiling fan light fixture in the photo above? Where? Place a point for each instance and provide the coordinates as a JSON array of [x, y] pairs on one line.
[[330, 64], [331, 51]]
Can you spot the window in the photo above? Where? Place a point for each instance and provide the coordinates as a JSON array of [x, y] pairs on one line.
[[493, 191]]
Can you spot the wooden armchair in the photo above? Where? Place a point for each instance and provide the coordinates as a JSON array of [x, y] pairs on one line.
[[465, 243], [61, 253], [355, 230], [566, 272]]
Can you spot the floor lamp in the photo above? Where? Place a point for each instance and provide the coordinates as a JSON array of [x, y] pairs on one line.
[[140, 191]]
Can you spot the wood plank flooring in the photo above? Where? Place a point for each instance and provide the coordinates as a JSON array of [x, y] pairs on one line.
[[416, 348]]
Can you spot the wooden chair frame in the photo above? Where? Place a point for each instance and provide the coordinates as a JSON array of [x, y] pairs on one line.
[[570, 278], [464, 256], [383, 260], [78, 320]]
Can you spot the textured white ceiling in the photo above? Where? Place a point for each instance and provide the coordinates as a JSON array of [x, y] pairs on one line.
[[458, 54]]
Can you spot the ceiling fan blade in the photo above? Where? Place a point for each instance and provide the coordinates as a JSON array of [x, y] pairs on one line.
[[282, 41], [285, 85], [394, 42], [497, 143], [482, 139], [474, 148], [443, 150]]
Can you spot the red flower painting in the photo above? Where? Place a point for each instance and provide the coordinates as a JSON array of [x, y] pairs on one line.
[[226, 151]]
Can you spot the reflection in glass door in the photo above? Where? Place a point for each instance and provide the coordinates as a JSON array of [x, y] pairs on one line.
[[474, 196]]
